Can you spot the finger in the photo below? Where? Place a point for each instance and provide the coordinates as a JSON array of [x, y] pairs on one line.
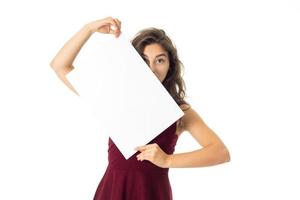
[[139, 157], [148, 146], [113, 22], [113, 27], [145, 156], [147, 152], [107, 27], [118, 33], [118, 22], [142, 156], [141, 148], [118, 30]]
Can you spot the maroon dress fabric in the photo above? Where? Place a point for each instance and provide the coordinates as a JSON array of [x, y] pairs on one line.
[[137, 180]]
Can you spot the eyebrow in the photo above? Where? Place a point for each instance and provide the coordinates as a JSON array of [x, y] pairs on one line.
[[162, 54]]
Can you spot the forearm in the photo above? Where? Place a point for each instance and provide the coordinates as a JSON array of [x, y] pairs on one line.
[[67, 54], [207, 156]]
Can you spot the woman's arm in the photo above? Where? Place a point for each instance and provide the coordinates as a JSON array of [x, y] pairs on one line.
[[213, 150], [62, 62], [65, 57]]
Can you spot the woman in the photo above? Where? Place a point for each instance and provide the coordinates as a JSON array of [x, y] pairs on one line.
[[145, 174]]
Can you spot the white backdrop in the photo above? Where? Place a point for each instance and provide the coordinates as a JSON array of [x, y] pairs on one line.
[[241, 60]]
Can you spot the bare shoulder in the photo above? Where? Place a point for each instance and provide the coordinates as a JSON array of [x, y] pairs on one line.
[[190, 118], [184, 107], [193, 123]]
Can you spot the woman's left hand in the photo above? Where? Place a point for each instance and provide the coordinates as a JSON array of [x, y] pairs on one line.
[[154, 154]]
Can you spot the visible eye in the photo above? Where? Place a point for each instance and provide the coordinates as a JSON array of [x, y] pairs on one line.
[[160, 60]]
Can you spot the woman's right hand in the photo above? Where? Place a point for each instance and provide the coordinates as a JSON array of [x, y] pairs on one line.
[[107, 25]]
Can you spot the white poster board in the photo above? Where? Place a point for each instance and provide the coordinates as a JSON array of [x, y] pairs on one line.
[[128, 100]]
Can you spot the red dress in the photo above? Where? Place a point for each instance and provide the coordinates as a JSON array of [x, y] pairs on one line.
[[137, 180]]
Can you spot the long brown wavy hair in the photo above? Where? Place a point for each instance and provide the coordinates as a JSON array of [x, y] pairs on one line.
[[173, 82]]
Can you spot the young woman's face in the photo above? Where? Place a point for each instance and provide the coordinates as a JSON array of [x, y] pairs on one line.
[[157, 59]]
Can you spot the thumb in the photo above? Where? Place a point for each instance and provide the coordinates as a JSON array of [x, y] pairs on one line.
[[140, 148]]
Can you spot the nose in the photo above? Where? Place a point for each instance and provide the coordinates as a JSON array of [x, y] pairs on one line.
[[152, 69]]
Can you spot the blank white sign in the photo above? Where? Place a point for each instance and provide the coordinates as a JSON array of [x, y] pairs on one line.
[[129, 101]]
